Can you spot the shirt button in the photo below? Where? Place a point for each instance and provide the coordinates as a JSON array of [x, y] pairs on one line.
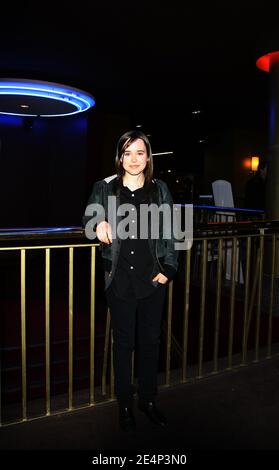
[[132, 252], [131, 267], [132, 195]]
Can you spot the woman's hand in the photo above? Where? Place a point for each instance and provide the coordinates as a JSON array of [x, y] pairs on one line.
[[160, 278], [104, 233]]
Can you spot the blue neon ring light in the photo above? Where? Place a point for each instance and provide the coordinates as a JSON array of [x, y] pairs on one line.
[[79, 100]]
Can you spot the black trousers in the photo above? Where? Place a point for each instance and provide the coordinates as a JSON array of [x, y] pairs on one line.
[[144, 316]]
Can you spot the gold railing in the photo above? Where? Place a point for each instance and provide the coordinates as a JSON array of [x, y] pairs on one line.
[[203, 276], [23, 250]]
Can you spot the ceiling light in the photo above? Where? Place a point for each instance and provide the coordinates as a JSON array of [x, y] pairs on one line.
[[45, 99]]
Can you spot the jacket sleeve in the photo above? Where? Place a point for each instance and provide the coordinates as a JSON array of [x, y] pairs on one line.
[[169, 271], [170, 263]]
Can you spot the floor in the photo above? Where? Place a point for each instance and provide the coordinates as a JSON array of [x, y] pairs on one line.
[[237, 410]]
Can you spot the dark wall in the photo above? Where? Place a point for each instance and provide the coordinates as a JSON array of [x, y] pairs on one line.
[[104, 130], [48, 166], [43, 167]]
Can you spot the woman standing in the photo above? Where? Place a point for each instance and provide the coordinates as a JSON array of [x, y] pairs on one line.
[[137, 270]]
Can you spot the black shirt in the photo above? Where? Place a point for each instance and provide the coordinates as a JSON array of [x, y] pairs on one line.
[[136, 266]]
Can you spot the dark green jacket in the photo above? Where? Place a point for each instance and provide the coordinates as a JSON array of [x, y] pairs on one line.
[[164, 254]]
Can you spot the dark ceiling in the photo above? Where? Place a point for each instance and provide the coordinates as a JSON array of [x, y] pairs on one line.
[[139, 56]]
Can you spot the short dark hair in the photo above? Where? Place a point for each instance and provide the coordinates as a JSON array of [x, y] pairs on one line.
[[127, 139]]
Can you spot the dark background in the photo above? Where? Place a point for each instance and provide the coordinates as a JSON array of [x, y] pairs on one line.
[[150, 63]]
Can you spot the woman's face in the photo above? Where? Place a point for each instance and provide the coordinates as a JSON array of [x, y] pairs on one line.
[[134, 159]]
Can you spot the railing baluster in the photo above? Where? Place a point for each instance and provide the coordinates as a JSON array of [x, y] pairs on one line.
[[23, 332], [232, 301], [259, 300], [246, 299], [47, 331], [253, 291], [70, 352], [186, 314], [105, 363], [217, 305], [202, 306], [168, 338], [92, 325]]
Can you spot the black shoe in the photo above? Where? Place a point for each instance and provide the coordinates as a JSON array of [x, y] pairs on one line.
[[150, 410], [126, 419]]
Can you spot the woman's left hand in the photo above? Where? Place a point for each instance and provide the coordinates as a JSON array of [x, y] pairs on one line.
[[160, 278]]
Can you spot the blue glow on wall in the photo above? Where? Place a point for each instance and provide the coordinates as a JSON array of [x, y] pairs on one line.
[[11, 120]]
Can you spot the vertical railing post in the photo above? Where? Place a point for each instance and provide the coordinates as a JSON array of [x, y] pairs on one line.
[[259, 300], [246, 299], [92, 325], [202, 307], [168, 337], [47, 331], [186, 314], [106, 347], [217, 305], [70, 351], [23, 332], [232, 301]]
